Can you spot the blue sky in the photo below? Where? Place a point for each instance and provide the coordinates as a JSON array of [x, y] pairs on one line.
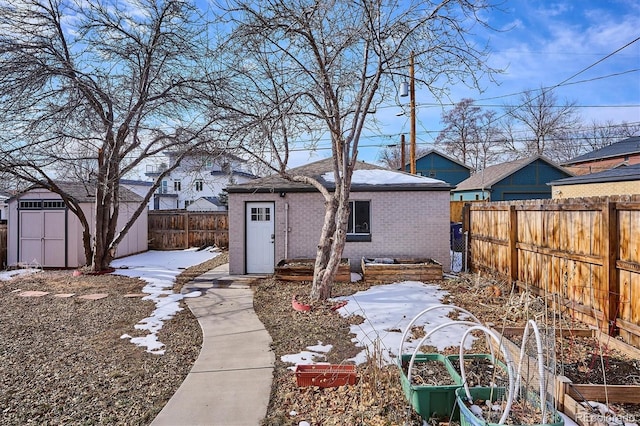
[[544, 43]]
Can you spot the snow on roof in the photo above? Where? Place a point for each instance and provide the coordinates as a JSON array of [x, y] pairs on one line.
[[382, 177]]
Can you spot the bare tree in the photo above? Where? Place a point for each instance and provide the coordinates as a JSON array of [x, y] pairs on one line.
[[545, 123], [391, 156], [309, 69], [93, 89], [597, 135], [489, 140], [470, 134], [458, 137]]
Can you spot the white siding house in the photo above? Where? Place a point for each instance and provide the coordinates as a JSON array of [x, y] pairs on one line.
[[200, 175]]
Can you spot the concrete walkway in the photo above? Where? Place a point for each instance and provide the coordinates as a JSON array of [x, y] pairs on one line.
[[230, 382]]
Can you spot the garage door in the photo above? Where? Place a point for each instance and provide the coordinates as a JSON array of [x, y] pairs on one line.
[[42, 238]]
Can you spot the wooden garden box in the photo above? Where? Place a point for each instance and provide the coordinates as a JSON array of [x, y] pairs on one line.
[[569, 395], [387, 270], [302, 270]]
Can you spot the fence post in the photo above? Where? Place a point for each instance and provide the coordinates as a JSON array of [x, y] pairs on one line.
[[610, 270], [466, 227], [513, 239], [186, 229]]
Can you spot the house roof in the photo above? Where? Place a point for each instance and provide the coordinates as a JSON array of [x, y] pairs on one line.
[[232, 173], [624, 147], [618, 174], [484, 179], [84, 192], [212, 200], [135, 182], [206, 153], [433, 151], [367, 177]]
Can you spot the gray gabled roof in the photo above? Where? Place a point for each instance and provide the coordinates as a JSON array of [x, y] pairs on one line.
[[624, 147], [484, 179], [84, 192], [135, 182], [213, 200], [316, 170], [618, 174]]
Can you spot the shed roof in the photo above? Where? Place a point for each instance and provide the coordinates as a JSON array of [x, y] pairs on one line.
[[624, 147], [367, 177], [484, 179], [618, 174], [84, 192]]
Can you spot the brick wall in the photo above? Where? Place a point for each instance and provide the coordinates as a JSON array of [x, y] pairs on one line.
[[403, 224], [604, 164]]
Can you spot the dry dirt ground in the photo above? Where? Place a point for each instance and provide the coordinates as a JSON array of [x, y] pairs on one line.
[[377, 399], [62, 360]]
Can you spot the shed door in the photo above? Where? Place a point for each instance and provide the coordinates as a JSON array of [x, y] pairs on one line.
[[260, 247], [42, 238]]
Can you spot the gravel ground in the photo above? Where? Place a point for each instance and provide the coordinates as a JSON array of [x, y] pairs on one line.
[[62, 360]]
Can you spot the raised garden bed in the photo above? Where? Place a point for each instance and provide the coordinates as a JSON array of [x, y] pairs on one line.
[[302, 270], [434, 397], [572, 395], [326, 375], [388, 270], [522, 412], [480, 371]]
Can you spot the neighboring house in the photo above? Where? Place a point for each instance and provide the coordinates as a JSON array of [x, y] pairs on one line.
[[522, 179], [43, 231], [139, 187], [622, 180], [626, 151], [207, 204], [200, 174], [437, 165], [394, 214]]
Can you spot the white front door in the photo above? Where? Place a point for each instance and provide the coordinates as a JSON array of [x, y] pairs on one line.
[[260, 241]]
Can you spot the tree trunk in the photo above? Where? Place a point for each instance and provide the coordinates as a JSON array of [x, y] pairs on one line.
[[318, 288], [332, 241]]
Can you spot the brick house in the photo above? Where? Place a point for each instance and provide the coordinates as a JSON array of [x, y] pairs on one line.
[[624, 152], [394, 214], [622, 180]]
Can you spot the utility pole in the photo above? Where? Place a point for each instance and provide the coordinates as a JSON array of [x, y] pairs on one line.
[[412, 104], [403, 160], [412, 93]]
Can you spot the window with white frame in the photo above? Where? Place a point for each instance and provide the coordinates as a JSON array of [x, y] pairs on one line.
[[177, 185], [199, 185], [359, 226]]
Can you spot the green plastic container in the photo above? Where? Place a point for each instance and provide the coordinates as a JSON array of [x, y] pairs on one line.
[[430, 401], [455, 365], [467, 418]]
